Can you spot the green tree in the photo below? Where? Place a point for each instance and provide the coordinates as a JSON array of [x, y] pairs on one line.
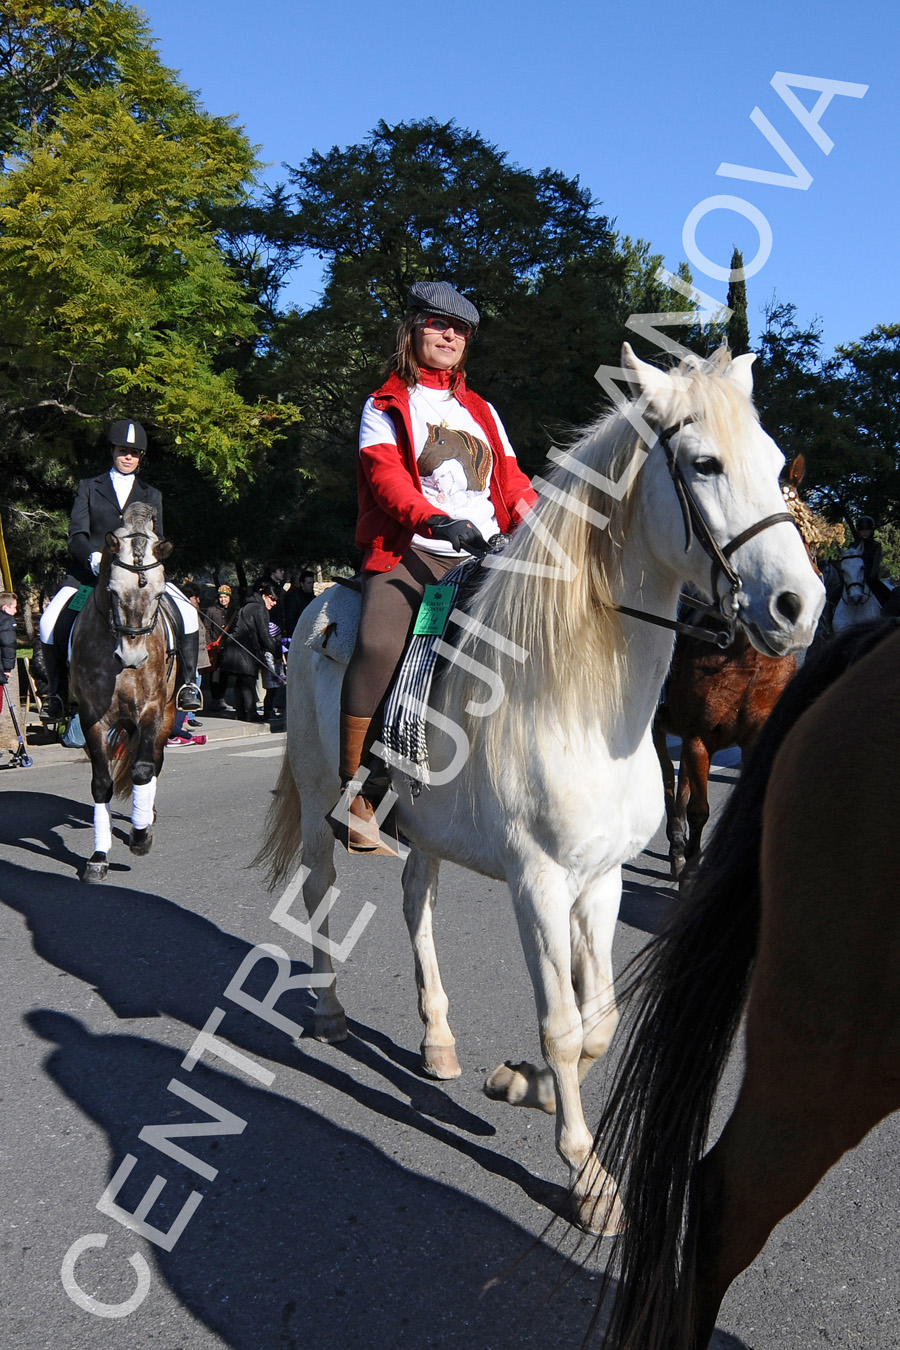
[[738, 325], [115, 290], [427, 200], [868, 374], [803, 405]]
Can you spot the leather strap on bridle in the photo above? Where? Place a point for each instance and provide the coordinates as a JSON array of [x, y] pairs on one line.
[[124, 630], [695, 523]]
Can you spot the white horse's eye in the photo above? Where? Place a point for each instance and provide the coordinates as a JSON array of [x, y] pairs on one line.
[[708, 466]]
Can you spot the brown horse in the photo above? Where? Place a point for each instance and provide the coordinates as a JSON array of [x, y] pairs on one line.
[[712, 699], [784, 922], [123, 677], [716, 698]]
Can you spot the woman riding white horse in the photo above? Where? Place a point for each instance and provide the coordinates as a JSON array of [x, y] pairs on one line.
[[411, 532], [543, 771], [97, 511]]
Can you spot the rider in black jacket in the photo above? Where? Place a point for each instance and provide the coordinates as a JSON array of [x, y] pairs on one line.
[[99, 504]]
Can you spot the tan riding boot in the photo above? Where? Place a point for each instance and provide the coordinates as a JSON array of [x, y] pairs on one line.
[[360, 834]]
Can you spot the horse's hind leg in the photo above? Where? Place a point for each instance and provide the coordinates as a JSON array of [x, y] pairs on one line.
[[330, 1020], [420, 882]]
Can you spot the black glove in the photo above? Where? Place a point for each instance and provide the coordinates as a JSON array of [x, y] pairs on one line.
[[461, 535], [3, 677]]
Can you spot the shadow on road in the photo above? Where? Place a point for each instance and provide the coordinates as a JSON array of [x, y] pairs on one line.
[[308, 1235]]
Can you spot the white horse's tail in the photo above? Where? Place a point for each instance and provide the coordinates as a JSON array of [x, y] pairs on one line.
[[283, 831]]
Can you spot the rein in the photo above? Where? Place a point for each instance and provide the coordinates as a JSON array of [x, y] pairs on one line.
[[695, 523]]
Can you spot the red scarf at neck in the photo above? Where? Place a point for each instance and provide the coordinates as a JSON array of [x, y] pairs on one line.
[[435, 379]]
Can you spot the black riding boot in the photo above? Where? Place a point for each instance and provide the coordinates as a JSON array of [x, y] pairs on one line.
[[53, 708], [188, 698]]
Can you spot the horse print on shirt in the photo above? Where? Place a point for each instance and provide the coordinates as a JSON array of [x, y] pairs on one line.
[[454, 461]]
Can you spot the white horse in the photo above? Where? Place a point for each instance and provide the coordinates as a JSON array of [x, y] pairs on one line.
[[857, 603], [550, 780]]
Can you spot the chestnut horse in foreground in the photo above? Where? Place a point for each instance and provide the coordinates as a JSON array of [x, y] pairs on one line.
[[123, 677], [793, 917]]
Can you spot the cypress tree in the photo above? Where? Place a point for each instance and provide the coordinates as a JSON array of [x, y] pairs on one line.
[[738, 327]]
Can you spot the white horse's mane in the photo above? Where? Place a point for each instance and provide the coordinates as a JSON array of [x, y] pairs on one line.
[[569, 625]]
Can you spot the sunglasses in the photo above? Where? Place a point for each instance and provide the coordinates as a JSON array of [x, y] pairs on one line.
[[439, 324]]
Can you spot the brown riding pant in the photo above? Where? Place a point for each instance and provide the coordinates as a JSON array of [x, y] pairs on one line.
[[390, 602]]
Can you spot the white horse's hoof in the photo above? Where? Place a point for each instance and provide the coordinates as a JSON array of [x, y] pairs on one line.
[[439, 1061], [520, 1085], [330, 1028], [601, 1215], [97, 869]]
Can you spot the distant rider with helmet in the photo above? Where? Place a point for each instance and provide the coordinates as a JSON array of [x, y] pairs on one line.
[[872, 555], [98, 508]]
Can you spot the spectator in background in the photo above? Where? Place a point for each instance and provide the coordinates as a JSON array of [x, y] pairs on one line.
[[302, 592], [273, 574], [221, 618], [244, 653], [9, 685], [204, 664]]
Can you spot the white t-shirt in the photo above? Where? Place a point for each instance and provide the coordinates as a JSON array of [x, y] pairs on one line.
[[453, 457]]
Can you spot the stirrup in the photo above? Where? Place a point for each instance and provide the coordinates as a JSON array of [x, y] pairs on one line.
[[189, 698]]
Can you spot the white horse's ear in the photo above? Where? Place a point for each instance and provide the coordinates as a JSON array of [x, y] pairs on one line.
[[651, 379], [740, 370]]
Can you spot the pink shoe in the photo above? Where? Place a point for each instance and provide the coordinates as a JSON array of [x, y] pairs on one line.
[[174, 741]]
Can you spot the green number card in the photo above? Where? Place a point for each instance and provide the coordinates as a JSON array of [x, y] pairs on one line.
[[434, 611]]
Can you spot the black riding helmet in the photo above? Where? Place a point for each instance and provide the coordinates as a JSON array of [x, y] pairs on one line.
[[129, 435], [865, 523]]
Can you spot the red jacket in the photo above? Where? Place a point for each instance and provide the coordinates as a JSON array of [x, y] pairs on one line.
[[392, 506]]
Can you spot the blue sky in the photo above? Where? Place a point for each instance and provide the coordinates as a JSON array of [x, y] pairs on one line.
[[641, 101]]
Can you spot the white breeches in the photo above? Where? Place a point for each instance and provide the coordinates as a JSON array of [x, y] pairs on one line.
[[64, 595], [185, 608], [53, 611]]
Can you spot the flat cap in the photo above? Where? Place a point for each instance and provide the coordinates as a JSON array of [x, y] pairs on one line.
[[439, 297]]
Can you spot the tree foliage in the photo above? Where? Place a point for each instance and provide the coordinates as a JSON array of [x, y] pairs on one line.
[[423, 200], [738, 323], [115, 293]]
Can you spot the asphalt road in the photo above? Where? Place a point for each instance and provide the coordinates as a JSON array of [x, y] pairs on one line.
[[359, 1205]]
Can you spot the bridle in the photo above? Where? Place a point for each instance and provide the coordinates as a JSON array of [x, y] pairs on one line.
[[117, 628], [848, 586], [696, 524]]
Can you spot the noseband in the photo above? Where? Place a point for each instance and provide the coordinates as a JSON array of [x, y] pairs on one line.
[[125, 630], [695, 523]]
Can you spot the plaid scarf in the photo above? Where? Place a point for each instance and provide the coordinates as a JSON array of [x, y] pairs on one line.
[[404, 732]]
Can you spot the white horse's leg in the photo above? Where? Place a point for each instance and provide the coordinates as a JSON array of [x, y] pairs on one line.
[[592, 926], [420, 882], [543, 904], [318, 855]]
